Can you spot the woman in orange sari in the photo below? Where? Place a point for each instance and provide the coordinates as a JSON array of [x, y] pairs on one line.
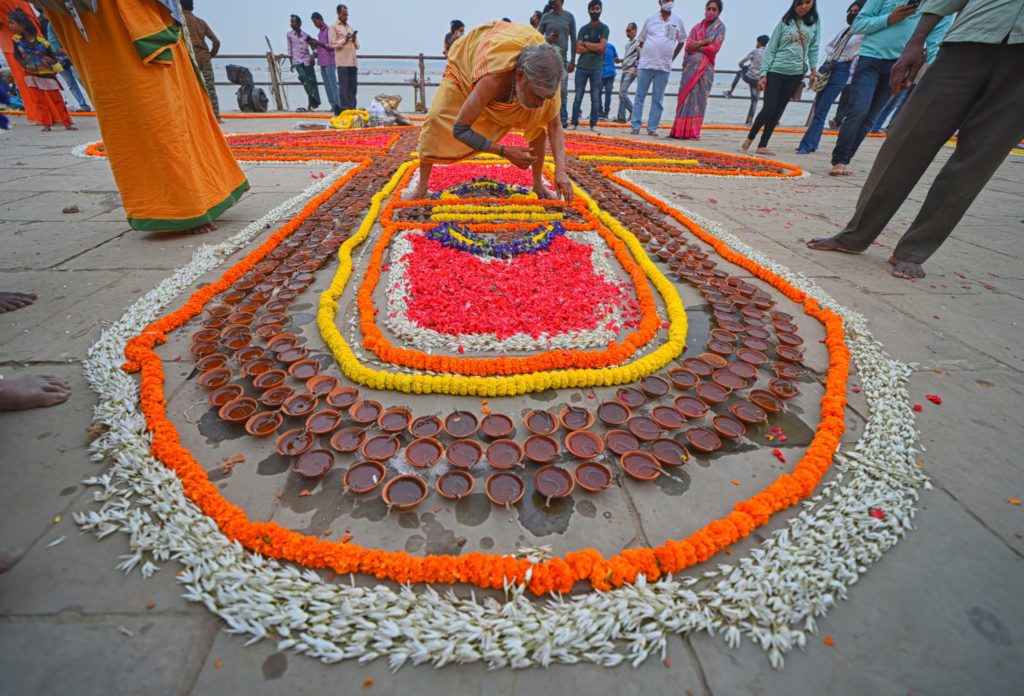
[[170, 160], [499, 77]]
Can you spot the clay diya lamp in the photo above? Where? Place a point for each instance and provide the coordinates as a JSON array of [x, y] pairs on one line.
[[232, 297], [270, 379], [697, 367], [244, 318], [250, 353], [202, 349], [787, 371], [763, 303], [727, 379], [691, 407], [743, 370], [497, 426], [669, 452], [219, 310], [303, 370], [724, 335], [781, 316], [394, 420], [364, 477], [272, 318], [282, 342], [758, 332], [628, 396], [654, 387], [711, 393], [205, 336], [789, 354], [621, 441], [211, 362], [277, 306], [464, 454], [424, 452], [504, 488], [640, 465], [593, 477], [720, 347], [783, 388], [381, 448], [753, 323], [703, 440], [732, 326], [215, 378], [748, 413], [323, 422], [425, 426], [613, 413], [263, 423], [294, 442], [404, 492], [753, 313], [540, 448], [644, 428], [292, 355], [238, 410], [504, 454], [254, 368], [754, 343], [717, 362], [348, 440], [322, 385], [728, 427], [788, 339], [553, 482], [723, 316], [287, 295], [299, 405], [273, 398], [460, 424], [229, 392], [766, 400], [314, 464], [365, 411], [455, 485], [682, 378], [584, 444], [751, 356], [342, 397], [576, 418], [667, 417]]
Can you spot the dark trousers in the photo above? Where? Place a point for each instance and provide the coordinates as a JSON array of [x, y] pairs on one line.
[[608, 87], [778, 90], [975, 88], [307, 76], [584, 78], [348, 81], [754, 94], [869, 91]]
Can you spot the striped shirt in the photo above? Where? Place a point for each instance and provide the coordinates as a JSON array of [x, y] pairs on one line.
[[632, 56]]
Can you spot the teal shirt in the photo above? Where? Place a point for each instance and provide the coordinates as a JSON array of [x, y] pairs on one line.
[[591, 33], [981, 21], [886, 42], [792, 47]]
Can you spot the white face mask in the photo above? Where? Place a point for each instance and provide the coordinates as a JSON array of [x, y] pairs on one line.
[[667, 6]]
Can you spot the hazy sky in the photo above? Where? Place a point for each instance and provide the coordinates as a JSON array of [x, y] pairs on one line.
[[412, 27]]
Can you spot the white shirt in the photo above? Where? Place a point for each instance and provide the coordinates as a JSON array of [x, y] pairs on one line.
[[852, 46], [660, 39]]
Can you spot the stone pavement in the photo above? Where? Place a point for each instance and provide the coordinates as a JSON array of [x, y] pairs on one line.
[[941, 613]]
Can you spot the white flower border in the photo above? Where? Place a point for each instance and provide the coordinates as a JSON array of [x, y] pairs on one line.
[[774, 595], [397, 292]]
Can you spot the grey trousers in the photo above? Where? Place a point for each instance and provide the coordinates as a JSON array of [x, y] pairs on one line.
[[625, 103], [971, 87]]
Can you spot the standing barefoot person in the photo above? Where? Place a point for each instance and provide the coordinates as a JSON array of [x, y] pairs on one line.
[[41, 66], [10, 301], [792, 49], [28, 392], [499, 76], [169, 157]]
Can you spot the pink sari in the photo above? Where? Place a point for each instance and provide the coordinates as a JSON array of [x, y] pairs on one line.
[[698, 77]]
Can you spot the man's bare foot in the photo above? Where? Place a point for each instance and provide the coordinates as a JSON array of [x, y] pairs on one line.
[[746, 144], [39, 391], [10, 301], [418, 193], [765, 152], [831, 244], [8, 559], [906, 269], [46, 129], [839, 170], [201, 229]]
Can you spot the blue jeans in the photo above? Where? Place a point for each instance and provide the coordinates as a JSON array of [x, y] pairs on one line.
[[583, 78], [644, 80], [893, 108], [607, 86], [330, 77], [869, 92], [822, 105]]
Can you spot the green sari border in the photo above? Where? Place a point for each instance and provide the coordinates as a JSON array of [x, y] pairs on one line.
[[158, 225], [153, 46]]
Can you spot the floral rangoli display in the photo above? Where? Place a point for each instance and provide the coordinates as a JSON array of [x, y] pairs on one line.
[[485, 351]]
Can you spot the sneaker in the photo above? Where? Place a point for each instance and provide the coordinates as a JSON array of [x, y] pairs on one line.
[[84, 107], [728, 94], [634, 131], [653, 134], [620, 119]]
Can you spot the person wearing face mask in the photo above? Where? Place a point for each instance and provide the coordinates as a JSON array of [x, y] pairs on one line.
[[702, 47], [841, 51], [590, 47], [499, 77], [661, 39]]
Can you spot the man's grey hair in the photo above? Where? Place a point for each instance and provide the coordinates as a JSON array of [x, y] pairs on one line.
[[543, 67]]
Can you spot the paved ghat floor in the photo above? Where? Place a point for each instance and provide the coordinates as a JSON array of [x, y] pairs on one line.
[[941, 613]]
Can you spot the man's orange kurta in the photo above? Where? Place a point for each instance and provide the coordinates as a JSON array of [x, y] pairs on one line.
[[34, 111], [488, 49], [170, 160]]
